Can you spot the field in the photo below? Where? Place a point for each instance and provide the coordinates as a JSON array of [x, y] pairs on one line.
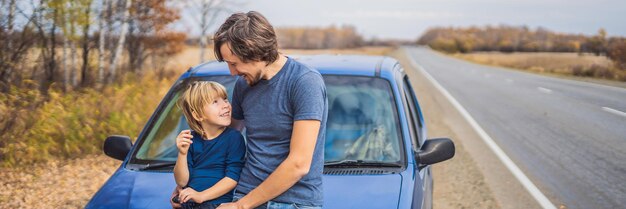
[[562, 64]]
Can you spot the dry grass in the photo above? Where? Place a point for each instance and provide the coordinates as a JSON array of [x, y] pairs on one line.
[[56, 183], [558, 62], [584, 65]]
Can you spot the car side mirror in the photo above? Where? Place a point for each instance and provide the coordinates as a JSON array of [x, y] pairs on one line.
[[117, 146], [435, 151]]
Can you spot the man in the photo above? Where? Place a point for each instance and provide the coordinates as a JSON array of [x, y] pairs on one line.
[[283, 105]]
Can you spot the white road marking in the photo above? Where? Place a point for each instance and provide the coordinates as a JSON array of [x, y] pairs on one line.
[[544, 90], [614, 111], [516, 171], [509, 80]]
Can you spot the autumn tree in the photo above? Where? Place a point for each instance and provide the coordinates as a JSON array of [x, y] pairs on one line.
[[617, 52], [149, 35], [502, 38], [59, 32], [319, 37], [597, 44]]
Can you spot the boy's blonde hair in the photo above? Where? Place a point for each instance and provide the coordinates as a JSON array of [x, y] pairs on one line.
[[195, 97]]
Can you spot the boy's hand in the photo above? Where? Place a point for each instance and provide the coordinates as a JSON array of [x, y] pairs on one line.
[[183, 141], [175, 193], [190, 194]]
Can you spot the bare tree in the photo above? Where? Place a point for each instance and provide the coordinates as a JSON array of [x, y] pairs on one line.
[[67, 20], [46, 21], [7, 58], [120, 43], [102, 40], [85, 22], [10, 23], [64, 66], [205, 23], [205, 12], [60, 7]]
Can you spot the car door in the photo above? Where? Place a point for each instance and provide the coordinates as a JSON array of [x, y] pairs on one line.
[[418, 134]]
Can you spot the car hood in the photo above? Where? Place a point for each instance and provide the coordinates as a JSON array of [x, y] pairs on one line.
[[135, 189], [143, 189], [365, 191]]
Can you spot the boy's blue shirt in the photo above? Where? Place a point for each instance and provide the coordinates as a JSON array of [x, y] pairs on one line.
[[209, 161]]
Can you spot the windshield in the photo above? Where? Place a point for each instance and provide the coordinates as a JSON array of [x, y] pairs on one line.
[[362, 122]]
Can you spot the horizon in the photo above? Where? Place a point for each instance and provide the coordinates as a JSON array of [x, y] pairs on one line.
[[408, 20]]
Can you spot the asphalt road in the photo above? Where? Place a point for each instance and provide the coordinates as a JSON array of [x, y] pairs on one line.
[[568, 137]]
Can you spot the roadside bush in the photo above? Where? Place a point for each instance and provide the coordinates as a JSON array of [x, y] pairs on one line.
[[37, 128], [602, 72], [596, 71], [580, 70], [448, 46], [617, 53]]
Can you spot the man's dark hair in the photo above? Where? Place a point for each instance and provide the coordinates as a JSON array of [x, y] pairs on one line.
[[251, 38]]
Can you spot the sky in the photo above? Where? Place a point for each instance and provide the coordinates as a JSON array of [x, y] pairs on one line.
[[409, 19]]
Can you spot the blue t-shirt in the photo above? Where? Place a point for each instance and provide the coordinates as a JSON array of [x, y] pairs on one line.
[[209, 161], [269, 109]]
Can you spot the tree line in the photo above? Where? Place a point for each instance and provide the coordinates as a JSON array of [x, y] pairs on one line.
[[523, 39], [74, 44], [319, 37], [75, 71]]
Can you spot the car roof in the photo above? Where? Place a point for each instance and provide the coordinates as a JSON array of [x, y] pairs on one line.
[[362, 65]]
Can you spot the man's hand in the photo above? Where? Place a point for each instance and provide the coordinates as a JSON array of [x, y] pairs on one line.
[[190, 194], [230, 205], [183, 141], [174, 194]]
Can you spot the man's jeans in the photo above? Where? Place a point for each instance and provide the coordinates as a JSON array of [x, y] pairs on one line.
[[279, 205]]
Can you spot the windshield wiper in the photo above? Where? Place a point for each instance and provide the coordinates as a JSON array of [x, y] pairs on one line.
[[154, 166], [363, 163]]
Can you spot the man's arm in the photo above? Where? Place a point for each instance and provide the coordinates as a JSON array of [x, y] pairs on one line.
[[292, 169]]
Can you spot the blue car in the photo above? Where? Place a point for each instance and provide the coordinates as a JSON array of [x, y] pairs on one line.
[[376, 151]]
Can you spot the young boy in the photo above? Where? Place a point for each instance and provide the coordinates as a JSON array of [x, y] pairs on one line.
[[211, 155]]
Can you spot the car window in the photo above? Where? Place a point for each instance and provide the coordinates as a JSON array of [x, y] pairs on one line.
[[159, 143], [411, 94], [362, 120], [411, 113]]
